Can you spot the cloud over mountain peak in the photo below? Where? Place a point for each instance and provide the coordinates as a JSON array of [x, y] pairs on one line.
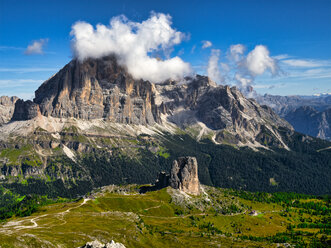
[[133, 43]]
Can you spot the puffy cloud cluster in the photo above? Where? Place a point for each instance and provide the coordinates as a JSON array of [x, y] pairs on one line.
[[257, 62], [36, 47], [132, 43], [242, 68], [213, 70]]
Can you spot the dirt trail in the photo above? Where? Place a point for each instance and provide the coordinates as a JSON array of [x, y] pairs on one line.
[[158, 206], [17, 225]]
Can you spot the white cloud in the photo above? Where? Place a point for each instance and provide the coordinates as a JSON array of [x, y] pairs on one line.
[[36, 47], [241, 68], [206, 44], [281, 56], [270, 86], [236, 52], [193, 48], [258, 61], [213, 67], [311, 74], [132, 43], [243, 81], [225, 67], [244, 69], [303, 63]]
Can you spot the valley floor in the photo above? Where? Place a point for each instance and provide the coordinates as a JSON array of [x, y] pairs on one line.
[[164, 218]]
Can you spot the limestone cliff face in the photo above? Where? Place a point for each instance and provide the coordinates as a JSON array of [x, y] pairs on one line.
[[97, 88], [7, 106], [184, 175]]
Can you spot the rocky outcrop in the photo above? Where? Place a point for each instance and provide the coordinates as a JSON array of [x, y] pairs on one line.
[[7, 106], [13, 170], [98, 244], [184, 175], [98, 88], [25, 110], [25, 171]]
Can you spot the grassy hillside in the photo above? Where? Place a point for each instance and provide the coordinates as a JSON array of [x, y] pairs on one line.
[[169, 218]]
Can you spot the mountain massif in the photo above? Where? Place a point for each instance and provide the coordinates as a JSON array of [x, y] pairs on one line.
[[93, 124], [101, 89]]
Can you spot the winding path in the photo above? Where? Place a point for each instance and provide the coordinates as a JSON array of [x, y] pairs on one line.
[[17, 224]]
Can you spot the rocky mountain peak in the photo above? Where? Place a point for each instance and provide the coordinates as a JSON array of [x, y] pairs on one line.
[[102, 89]]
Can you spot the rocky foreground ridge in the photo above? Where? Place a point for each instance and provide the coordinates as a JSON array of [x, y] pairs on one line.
[[101, 89], [98, 244]]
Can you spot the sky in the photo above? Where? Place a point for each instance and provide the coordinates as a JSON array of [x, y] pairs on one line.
[[278, 47]]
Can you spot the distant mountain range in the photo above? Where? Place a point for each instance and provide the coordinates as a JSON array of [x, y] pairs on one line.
[[307, 114]]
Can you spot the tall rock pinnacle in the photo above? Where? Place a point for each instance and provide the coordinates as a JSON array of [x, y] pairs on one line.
[[184, 175]]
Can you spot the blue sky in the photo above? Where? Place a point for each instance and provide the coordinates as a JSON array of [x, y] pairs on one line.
[[297, 33]]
